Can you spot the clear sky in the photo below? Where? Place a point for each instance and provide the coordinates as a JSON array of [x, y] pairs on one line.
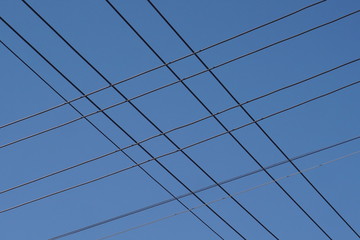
[[105, 40]]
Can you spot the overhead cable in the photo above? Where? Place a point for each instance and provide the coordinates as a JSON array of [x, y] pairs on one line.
[[226, 197], [175, 151], [204, 188], [223, 198], [156, 127], [252, 118], [135, 76], [111, 141], [164, 86], [119, 127], [186, 125]]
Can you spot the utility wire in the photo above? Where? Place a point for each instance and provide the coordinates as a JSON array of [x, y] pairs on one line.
[[175, 151], [119, 127], [156, 127], [159, 88], [338, 19], [111, 141], [226, 197], [203, 189], [251, 117], [191, 123], [161, 66], [221, 124]]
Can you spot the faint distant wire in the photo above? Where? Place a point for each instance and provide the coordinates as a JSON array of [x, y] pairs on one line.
[[175, 151], [188, 124], [226, 197], [127, 79], [252, 118], [111, 141], [159, 88], [203, 189]]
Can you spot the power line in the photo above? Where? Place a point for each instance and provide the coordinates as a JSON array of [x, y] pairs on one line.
[[117, 104], [138, 142], [226, 197], [126, 133], [153, 124], [252, 118], [111, 141], [323, 24], [175, 151], [203, 189], [164, 86], [219, 122], [153, 69], [112, 120], [193, 122], [147, 118]]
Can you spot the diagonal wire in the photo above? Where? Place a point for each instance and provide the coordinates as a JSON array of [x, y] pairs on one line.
[[191, 123], [173, 83], [175, 151], [203, 189], [220, 123], [226, 197], [251, 117], [188, 124], [157, 128], [123, 130], [109, 139]]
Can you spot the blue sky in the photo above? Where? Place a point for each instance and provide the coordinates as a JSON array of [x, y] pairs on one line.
[[95, 30]]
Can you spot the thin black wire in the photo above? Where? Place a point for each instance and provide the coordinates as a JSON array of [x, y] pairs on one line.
[[220, 123], [234, 194], [183, 79], [189, 124], [176, 151], [118, 126], [111, 141], [278, 41], [250, 116], [202, 189], [155, 126]]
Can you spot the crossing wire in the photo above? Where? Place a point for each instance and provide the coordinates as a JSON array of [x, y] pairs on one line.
[[202, 189], [226, 197], [220, 123], [109, 139], [289, 37], [204, 106], [190, 123], [171, 62], [123, 130], [175, 151], [183, 79], [251, 117], [158, 129]]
